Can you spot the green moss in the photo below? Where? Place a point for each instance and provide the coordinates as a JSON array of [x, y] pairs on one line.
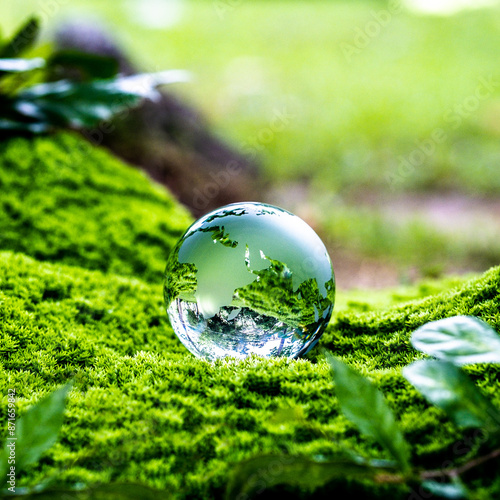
[[67, 201], [142, 408]]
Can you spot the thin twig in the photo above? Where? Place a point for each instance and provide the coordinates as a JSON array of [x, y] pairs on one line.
[[456, 471], [443, 473]]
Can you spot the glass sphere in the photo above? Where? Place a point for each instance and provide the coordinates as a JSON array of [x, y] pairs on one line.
[[249, 278]]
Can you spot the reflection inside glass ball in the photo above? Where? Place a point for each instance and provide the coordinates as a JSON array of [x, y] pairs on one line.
[[249, 278]]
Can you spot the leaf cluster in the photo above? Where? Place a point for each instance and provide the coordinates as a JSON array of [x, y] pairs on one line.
[[454, 341], [98, 93]]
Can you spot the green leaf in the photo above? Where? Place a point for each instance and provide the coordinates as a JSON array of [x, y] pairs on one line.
[[91, 65], [38, 428], [257, 474], [364, 405], [22, 40], [449, 388], [460, 339], [19, 65], [77, 104], [446, 490]]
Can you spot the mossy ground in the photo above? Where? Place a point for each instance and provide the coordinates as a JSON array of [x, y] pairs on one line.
[[64, 200], [85, 239]]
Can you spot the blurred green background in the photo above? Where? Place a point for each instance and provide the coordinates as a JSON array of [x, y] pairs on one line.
[[377, 122]]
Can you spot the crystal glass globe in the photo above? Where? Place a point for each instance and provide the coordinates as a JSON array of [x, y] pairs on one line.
[[249, 278]]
